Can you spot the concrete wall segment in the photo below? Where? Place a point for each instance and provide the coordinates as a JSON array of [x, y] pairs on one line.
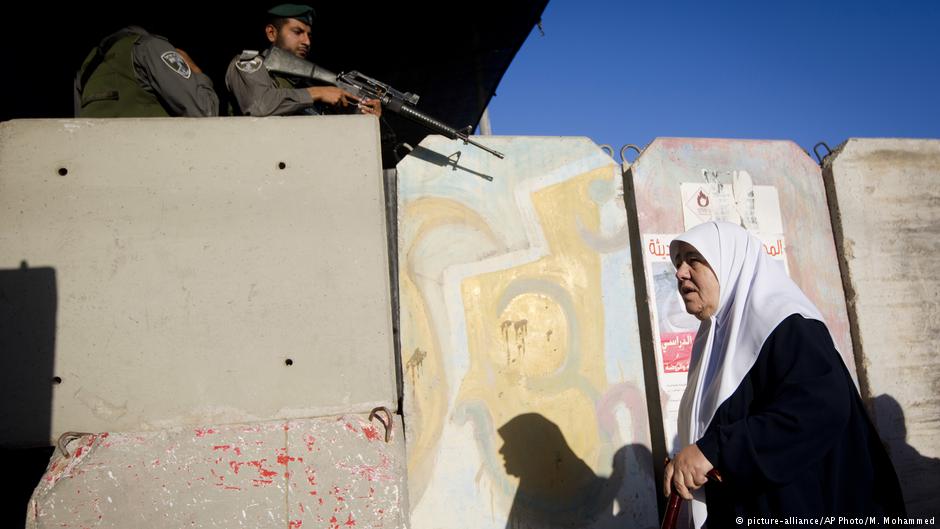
[[519, 338], [782, 199], [326, 472], [189, 265], [885, 197]]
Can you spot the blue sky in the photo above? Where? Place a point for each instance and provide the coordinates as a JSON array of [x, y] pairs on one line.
[[626, 72]]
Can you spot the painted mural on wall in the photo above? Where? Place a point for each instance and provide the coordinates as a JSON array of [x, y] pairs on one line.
[[524, 396]]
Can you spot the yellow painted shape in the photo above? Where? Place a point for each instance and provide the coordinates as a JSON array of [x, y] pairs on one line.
[[422, 362], [512, 381]]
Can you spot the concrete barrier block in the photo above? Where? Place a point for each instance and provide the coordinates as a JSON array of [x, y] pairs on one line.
[[885, 197], [524, 391], [191, 272], [326, 472], [772, 188]]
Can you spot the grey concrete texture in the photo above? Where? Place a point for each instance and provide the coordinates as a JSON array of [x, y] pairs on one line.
[[885, 200], [164, 272], [326, 472]]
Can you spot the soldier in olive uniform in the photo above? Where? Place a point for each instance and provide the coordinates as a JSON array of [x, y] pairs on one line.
[[259, 93], [135, 74]]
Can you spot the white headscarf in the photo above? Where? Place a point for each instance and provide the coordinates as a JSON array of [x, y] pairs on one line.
[[755, 296]]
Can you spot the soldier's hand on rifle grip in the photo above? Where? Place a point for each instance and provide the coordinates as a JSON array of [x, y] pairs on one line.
[[371, 106], [331, 95]]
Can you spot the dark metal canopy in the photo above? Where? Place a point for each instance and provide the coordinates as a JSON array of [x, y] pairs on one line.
[[453, 54]]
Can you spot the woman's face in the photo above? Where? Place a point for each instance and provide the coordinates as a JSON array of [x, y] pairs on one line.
[[696, 281]]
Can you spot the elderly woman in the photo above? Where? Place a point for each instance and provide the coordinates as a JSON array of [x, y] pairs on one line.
[[769, 402]]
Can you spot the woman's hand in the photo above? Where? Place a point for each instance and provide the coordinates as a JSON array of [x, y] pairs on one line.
[[687, 472]]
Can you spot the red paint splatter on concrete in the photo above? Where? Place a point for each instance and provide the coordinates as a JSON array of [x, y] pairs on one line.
[[301, 505], [104, 435], [321, 501], [238, 451], [311, 476], [334, 524], [351, 428], [222, 447], [260, 482], [336, 492], [202, 433], [229, 487], [371, 433], [294, 524], [350, 521], [78, 453], [313, 493], [286, 426], [283, 458], [258, 464], [156, 463]]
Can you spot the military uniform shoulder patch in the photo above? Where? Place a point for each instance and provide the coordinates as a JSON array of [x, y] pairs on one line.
[[249, 61], [177, 64]]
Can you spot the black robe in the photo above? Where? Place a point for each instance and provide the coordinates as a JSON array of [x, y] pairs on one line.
[[794, 438]]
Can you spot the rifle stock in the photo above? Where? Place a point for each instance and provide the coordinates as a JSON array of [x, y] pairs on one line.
[[364, 87]]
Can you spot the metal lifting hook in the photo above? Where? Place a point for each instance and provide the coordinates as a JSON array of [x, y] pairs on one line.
[[63, 442], [386, 422]]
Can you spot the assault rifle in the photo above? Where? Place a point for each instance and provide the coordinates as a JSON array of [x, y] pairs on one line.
[[364, 87]]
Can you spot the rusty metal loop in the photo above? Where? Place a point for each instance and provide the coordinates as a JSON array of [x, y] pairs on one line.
[[623, 150], [608, 149], [63, 442], [816, 152], [386, 422]]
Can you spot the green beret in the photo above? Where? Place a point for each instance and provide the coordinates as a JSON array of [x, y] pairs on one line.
[[301, 12]]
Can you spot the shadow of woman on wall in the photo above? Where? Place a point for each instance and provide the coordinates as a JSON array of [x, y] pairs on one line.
[[919, 474], [557, 489]]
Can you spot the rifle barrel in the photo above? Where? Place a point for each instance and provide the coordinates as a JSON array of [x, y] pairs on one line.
[[443, 128]]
